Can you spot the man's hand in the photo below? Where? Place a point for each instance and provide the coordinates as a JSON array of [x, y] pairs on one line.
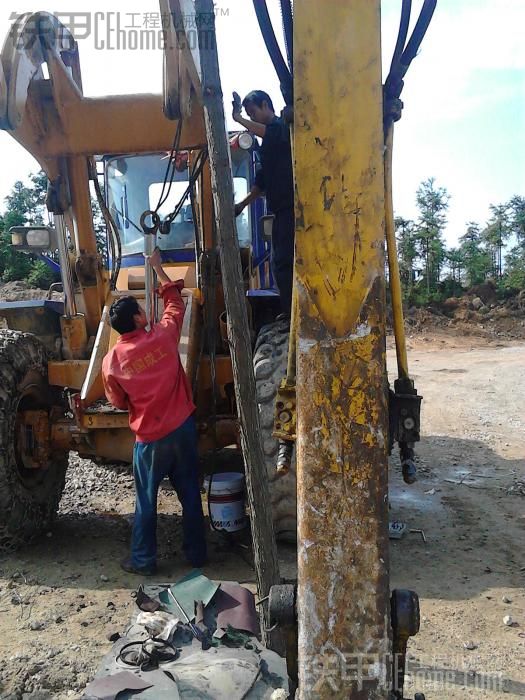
[[155, 259], [236, 107], [251, 197], [156, 263]]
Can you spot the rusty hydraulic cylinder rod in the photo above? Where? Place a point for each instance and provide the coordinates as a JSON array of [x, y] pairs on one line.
[[342, 434], [66, 274], [150, 279]]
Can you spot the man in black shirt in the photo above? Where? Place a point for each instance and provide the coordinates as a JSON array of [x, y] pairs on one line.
[[275, 179]]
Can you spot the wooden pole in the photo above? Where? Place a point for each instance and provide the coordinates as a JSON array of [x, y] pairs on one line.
[[264, 546]]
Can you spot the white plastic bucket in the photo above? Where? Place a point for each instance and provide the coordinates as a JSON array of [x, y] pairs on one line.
[[226, 501]]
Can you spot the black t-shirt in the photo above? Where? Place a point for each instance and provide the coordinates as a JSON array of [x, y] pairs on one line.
[[275, 177]]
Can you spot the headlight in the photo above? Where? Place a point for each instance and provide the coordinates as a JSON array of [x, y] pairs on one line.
[[245, 141], [33, 238], [38, 237]]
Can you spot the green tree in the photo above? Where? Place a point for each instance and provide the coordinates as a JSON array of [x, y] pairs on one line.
[[516, 208], [476, 260], [456, 263], [432, 203], [25, 205], [515, 269], [495, 235], [514, 278], [406, 251]]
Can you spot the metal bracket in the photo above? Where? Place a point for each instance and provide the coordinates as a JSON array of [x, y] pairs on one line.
[[405, 410], [404, 612], [285, 421], [282, 604]]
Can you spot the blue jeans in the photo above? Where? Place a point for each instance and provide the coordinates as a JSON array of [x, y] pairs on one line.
[[282, 260], [175, 457]]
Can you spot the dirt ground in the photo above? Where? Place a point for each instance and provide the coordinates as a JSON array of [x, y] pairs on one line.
[[61, 598]]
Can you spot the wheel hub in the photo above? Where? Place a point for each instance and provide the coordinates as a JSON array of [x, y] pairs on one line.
[[32, 439]]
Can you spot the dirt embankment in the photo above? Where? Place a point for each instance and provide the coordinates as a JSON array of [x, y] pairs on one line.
[[478, 313], [21, 291]]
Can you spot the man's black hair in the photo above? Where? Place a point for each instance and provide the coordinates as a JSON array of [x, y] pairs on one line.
[[121, 314], [257, 97]]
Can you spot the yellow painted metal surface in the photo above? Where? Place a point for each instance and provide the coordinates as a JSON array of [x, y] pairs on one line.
[[343, 607], [124, 118], [106, 419], [132, 278], [70, 373], [88, 265], [74, 336], [114, 444]]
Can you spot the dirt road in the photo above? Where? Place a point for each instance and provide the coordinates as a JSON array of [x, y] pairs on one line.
[[469, 503], [60, 599]]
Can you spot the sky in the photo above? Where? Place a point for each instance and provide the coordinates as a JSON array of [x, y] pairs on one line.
[[464, 116]]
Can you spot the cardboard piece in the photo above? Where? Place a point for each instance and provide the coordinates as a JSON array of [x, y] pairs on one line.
[[236, 608], [189, 590], [108, 687]]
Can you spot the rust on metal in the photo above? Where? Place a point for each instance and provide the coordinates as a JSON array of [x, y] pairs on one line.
[[285, 420], [342, 431], [68, 373], [33, 444]]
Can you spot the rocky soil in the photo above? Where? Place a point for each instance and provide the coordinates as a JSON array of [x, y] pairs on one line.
[[478, 313], [20, 291], [62, 598]]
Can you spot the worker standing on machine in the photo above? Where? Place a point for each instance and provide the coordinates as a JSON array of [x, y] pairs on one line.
[[275, 179], [144, 375]]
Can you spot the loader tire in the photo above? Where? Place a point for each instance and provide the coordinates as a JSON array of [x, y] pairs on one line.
[[29, 495], [269, 361]]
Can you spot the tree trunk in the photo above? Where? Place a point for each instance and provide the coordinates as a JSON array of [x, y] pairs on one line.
[[428, 266], [265, 549]]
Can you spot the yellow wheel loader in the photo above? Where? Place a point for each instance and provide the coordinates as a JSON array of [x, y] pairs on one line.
[[314, 416]]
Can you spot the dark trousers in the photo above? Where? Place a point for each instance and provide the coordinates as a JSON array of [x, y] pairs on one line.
[[175, 457], [283, 245]]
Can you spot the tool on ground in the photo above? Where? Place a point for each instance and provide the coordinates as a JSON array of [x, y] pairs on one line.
[[197, 633]]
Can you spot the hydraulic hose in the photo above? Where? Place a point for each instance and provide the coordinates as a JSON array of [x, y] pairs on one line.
[[115, 242], [282, 70], [401, 61], [406, 10], [287, 19], [419, 32], [403, 57], [393, 263]]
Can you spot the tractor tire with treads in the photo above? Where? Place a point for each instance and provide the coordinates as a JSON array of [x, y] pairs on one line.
[[270, 360], [29, 495]]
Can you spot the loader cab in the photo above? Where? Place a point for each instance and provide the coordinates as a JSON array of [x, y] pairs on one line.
[[137, 183]]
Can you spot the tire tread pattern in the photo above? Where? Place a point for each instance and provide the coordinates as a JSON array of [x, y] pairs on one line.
[[269, 361], [24, 512]]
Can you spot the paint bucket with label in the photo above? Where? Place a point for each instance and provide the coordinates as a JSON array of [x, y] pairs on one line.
[[226, 501]]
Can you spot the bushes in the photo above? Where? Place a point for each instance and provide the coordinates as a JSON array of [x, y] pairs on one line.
[[41, 275]]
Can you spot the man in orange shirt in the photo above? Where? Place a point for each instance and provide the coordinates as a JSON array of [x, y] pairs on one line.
[[144, 375]]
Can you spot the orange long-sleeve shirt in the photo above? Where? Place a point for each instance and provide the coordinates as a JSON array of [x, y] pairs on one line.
[[144, 375]]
